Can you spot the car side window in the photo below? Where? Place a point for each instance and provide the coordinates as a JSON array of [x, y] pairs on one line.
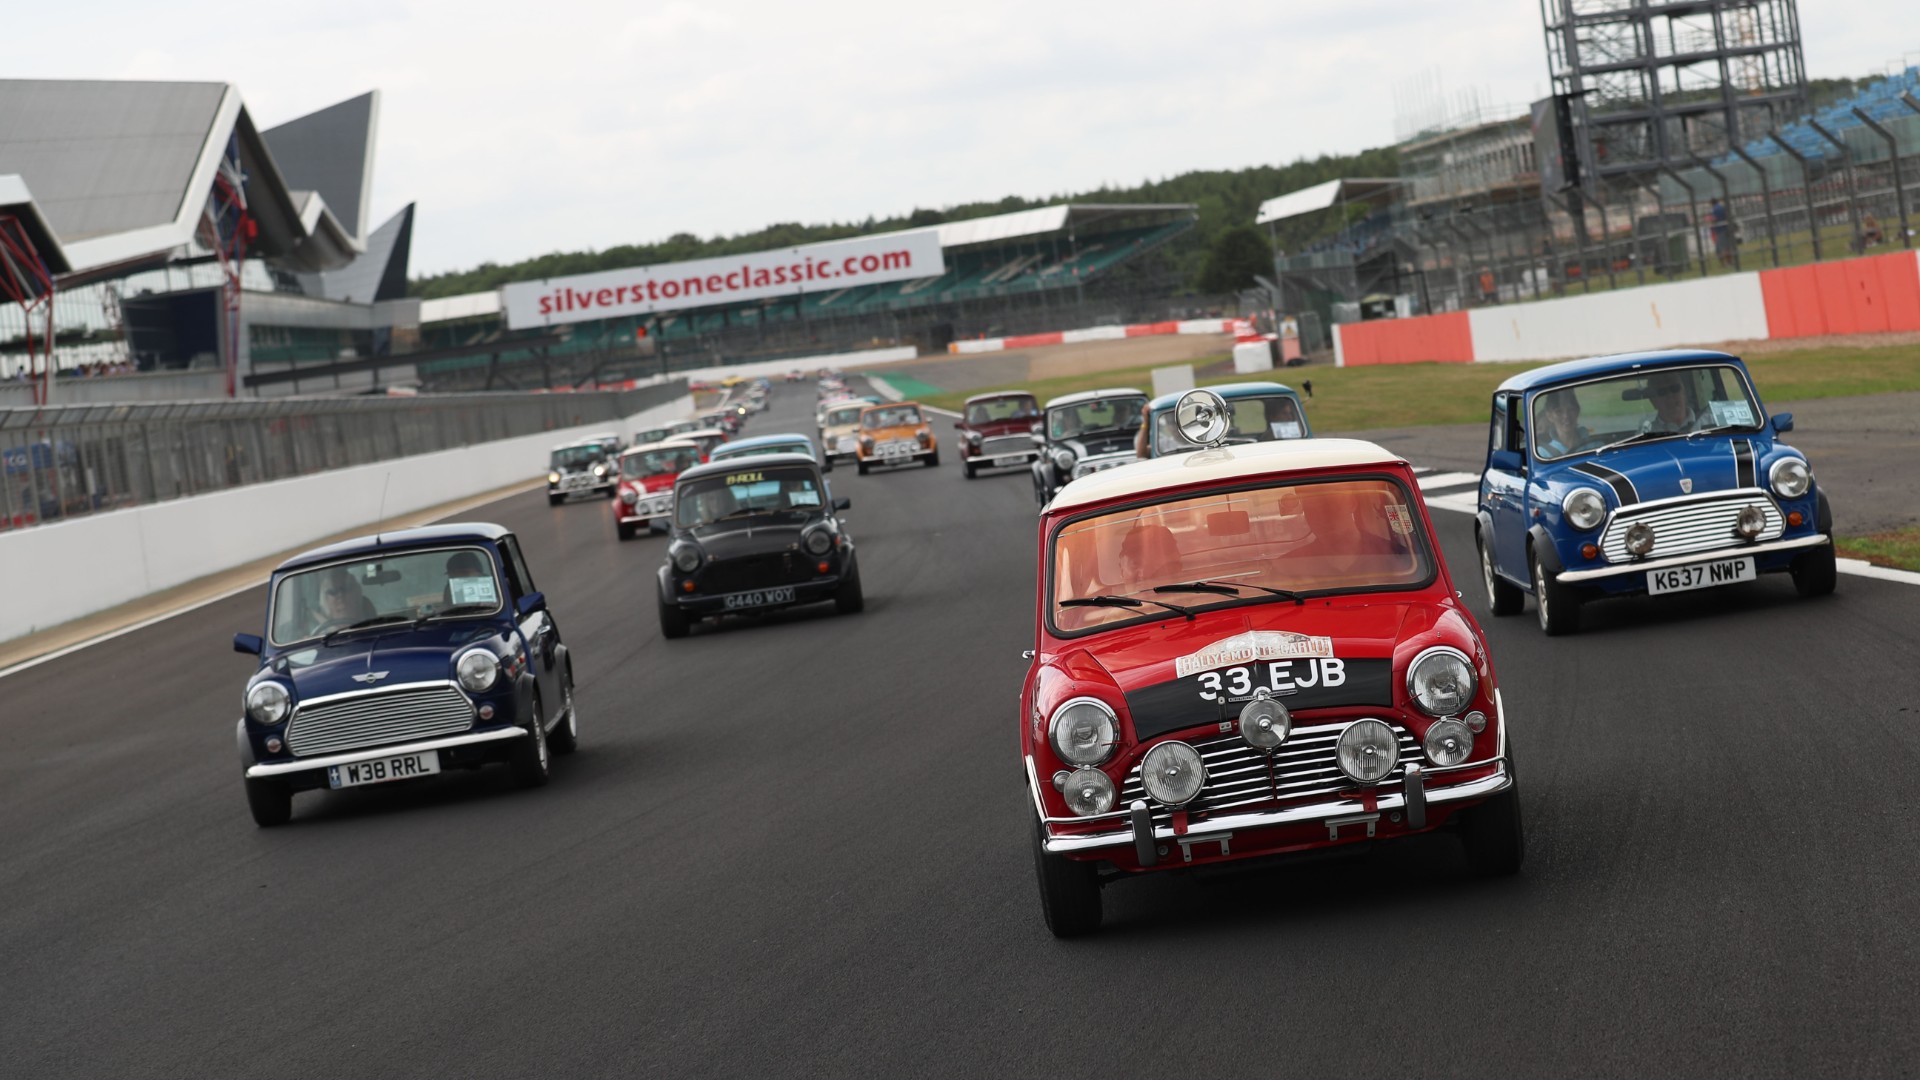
[[518, 578], [1516, 431], [1497, 438]]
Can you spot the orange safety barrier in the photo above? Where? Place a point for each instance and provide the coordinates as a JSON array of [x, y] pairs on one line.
[[1849, 296], [1447, 338]]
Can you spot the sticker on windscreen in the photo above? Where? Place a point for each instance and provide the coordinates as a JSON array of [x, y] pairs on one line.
[[472, 590], [1285, 429], [1731, 413], [1399, 519], [803, 498]]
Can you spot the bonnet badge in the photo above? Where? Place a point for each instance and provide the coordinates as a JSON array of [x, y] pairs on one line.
[[1686, 485], [370, 677]]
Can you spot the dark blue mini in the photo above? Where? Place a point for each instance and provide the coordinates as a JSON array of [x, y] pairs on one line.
[[1650, 472], [398, 656]]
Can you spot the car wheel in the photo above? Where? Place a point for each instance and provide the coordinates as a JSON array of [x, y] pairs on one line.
[[1069, 891], [1815, 573], [270, 800], [626, 530], [1492, 834], [826, 463], [532, 763], [1554, 603], [555, 500], [673, 621], [848, 599], [862, 466], [967, 467], [565, 737], [934, 461], [1503, 597]]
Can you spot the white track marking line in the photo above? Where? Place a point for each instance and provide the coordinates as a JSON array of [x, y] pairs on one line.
[[1447, 480], [141, 625]]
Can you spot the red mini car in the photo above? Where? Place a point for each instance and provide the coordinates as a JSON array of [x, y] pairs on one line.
[[1247, 651], [997, 430], [647, 474]]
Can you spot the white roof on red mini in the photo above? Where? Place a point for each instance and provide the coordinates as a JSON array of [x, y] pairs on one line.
[[1226, 464]]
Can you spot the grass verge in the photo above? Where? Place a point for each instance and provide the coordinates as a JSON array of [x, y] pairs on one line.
[[1410, 395], [1899, 549]]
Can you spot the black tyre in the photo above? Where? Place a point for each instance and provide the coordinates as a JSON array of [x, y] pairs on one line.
[[1816, 573], [555, 500], [532, 759], [848, 599], [1503, 596], [1492, 834], [1557, 605], [934, 461], [826, 463], [270, 800], [862, 466], [967, 467], [626, 529], [673, 621], [565, 737], [1069, 891]]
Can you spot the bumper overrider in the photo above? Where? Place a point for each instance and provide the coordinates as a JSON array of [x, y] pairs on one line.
[[1423, 798]]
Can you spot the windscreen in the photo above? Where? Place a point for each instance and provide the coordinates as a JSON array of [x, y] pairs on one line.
[[773, 448], [1008, 408], [845, 416], [576, 457], [661, 462], [1259, 419], [391, 588], [1347, 535], [1088, 417], [1676, 401], [887, 416], [780, 492]]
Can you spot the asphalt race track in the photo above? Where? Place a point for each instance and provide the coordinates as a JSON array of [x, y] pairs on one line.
[[800, 846]]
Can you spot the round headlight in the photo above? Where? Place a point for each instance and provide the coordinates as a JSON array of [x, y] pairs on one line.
[[1201, 417], [477, 668], [1448, 742], [1063, 459], [1441, 681], [1790, 478], [686, 558], [1367, 751], [973, 437], [1640, 538], [817, 541], [267, 703], [1088, 792], [1173, 773], [1083, 732], [1750, 523], [629, 496], [1584, 508], [599, 470], [553, 478], [1264, 722]]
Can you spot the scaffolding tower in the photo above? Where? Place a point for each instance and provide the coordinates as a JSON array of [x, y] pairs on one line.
[[1653, 84]]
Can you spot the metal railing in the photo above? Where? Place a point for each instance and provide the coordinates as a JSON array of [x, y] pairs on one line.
[[67, 461]]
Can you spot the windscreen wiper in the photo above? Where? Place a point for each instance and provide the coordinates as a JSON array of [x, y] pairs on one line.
[[1718, 430], [363, 624], [450, 612], [1126, 602], [1225, 589], [1634, 438]]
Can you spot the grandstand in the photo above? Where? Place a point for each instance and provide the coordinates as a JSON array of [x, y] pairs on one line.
[[1063, 265], [1881, 101]]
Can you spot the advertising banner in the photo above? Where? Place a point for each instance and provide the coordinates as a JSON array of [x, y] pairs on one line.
[[837, 264]]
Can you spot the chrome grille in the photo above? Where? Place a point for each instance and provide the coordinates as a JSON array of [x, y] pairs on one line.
[[1683, 528], [1006, 446], [756, 572], [377, 717], [1102, 464], [1240, 775]]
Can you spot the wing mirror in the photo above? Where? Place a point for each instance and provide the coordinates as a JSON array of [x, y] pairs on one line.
[[247, 643], [843, 503], [1783, 422], [1039, 439], [531, 603], [959, 425]]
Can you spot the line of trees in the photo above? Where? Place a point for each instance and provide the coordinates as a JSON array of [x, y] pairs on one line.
[[1220, 255]]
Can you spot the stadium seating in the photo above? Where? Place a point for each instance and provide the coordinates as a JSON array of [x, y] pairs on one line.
[[1880, 101]]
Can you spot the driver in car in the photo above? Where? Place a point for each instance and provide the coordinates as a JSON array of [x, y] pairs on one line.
[[341, 602], [1671, 415]]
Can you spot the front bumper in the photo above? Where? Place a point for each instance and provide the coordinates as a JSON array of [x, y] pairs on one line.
[[593, 488], [806, 592], [282, 769], [1603, 574], [644, 511], [899, 459], [1017, 457]]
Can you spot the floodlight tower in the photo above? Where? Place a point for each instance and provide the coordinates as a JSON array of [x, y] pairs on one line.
[[1656, 83]]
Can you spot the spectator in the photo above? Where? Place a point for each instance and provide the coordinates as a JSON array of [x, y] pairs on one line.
[[1722, 232], [1871, 234]]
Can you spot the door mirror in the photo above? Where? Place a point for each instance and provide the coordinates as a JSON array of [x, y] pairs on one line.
[[1507, 461], [1783, 422], [843, 503], [959, 425], [531, 603], [248, 643], [1039, 439]]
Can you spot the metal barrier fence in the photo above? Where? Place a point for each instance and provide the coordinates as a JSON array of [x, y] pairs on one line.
[[68, 461]]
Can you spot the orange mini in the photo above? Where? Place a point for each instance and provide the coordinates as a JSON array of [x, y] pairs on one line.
[[896, 434]]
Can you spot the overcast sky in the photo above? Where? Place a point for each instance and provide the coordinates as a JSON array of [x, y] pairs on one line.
[[551, 125]]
